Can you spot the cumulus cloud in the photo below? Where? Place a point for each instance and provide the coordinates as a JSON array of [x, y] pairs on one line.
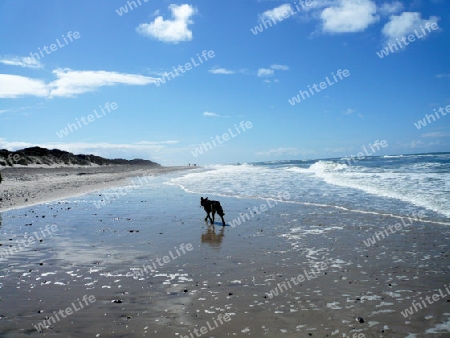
[[349, 16], [174, 30], [404, 24], [276, 14], [390, 8]]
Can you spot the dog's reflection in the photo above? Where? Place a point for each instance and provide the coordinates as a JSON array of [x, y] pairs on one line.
[[211, 237]]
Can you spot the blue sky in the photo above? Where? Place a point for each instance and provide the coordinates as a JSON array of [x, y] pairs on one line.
[[95, 55]]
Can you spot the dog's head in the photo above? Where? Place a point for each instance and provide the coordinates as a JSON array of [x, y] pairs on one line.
[[203, 201]]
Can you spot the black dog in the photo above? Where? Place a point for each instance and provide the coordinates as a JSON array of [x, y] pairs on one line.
[[212, 207]]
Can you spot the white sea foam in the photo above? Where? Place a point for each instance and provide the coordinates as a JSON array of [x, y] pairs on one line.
[[418, 187], [413, 181]]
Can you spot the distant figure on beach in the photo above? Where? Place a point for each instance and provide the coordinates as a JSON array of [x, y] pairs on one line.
[[1, 177]]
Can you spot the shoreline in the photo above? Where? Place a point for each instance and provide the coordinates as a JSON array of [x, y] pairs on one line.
[[29, 186]]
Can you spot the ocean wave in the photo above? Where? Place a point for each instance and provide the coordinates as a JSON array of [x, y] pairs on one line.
[[419, 184]]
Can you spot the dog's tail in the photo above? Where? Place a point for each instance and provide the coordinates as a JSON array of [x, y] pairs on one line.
[[219, 210]]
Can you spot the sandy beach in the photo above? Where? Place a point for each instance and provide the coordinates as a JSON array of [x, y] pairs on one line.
[[26, 186], [147, 265]]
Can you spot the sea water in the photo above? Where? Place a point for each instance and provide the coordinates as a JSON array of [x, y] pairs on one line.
[[395, 185]]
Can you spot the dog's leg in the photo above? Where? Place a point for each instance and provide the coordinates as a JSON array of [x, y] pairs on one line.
[[213, 214], [223, 221], [207, 216]]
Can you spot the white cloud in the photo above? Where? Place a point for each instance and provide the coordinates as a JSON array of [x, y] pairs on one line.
[[222, 71], [349, 16], [277, 13], [404, 24], [265, 72], [69, 83], [390, 8], [210, 114], [174, 30], [279, 67], [12, 86], [23, 61]]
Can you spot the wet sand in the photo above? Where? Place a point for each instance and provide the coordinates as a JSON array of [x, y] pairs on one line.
[[133, 256], [26, 186]]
